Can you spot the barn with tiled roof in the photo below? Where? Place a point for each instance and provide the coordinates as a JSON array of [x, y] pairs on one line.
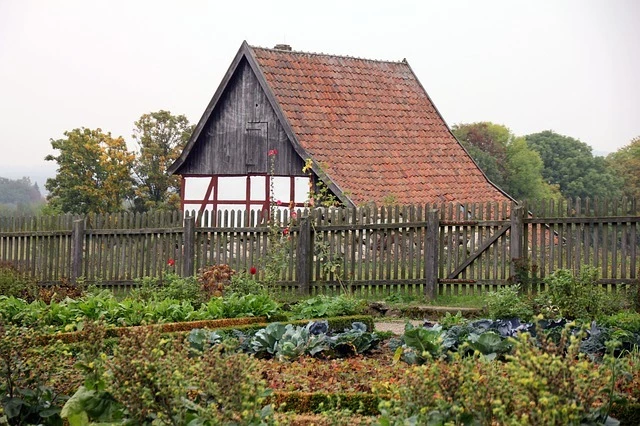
[[368, 127]]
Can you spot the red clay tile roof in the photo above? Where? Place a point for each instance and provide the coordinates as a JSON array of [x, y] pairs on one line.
[[373, 128]]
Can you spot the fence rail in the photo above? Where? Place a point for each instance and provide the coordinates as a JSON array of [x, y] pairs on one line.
[[446, 248]]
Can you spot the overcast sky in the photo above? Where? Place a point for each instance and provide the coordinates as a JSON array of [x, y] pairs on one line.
[[570, 66]]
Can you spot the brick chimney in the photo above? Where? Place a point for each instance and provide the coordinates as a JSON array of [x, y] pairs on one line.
[[282, 47]]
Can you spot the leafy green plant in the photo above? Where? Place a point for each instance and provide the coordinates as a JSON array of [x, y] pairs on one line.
[[297, 341], [507, 302], [289, 342], [265, 341], [354, 341], [448, 320], [325, 306], [70, 315], [489, 344], [235, 306], [201, 339], [420, 345]]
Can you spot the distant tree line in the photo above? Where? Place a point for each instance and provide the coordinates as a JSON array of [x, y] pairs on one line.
[[19, 196], [97, 173], [550, 165]]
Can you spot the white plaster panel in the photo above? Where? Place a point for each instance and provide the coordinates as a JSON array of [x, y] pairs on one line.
[[281, 189], [232, 188], [302, 189], [195, 188], [258, 191]]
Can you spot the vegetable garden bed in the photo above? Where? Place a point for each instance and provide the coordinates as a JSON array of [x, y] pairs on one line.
[[371, 388], [153, 360]]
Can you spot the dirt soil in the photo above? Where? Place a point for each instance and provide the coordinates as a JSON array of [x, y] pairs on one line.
[[395, 326]]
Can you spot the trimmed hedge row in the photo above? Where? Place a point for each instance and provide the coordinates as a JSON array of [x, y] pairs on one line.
[[364, 404], [336, 324], [173, 327], [225, 324]]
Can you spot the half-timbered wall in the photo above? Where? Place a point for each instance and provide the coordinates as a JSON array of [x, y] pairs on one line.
[[248, 192], [230, 166]]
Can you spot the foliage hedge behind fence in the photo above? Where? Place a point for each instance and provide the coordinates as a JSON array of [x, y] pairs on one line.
[[466, 248]]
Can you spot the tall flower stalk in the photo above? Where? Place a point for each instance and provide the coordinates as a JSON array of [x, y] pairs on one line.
[[278, 248]]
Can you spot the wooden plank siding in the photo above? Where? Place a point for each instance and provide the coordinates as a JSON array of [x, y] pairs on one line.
[[369, 251], [243, 128]]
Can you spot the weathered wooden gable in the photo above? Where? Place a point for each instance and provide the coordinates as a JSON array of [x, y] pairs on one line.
[[240, 132]]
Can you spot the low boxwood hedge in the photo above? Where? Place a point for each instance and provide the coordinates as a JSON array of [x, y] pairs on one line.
[[364, 404]]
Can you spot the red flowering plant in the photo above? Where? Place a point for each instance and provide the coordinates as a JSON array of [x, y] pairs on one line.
[[170, 270], [246, 283]]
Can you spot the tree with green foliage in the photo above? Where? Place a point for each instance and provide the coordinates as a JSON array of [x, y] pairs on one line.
[[94, 172], [487, 144], [570, 164], [161, 137], [505, 159], [626, 164]]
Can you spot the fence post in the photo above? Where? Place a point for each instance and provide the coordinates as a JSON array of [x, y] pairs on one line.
[[77, 248], [431, 255], [517, 232], [188, 241], [304, 256]]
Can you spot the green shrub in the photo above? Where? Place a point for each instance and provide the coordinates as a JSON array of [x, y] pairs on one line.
[[170, 286], [508, 303], [625, 320], [243, 283], [13, 283], [540, 384], [215, 388], [580, 296], [26, 378]]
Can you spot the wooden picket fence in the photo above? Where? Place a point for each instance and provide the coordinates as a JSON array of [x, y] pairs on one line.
[[434, 249]]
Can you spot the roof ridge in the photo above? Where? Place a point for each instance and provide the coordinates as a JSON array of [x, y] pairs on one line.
[[300, 52]]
